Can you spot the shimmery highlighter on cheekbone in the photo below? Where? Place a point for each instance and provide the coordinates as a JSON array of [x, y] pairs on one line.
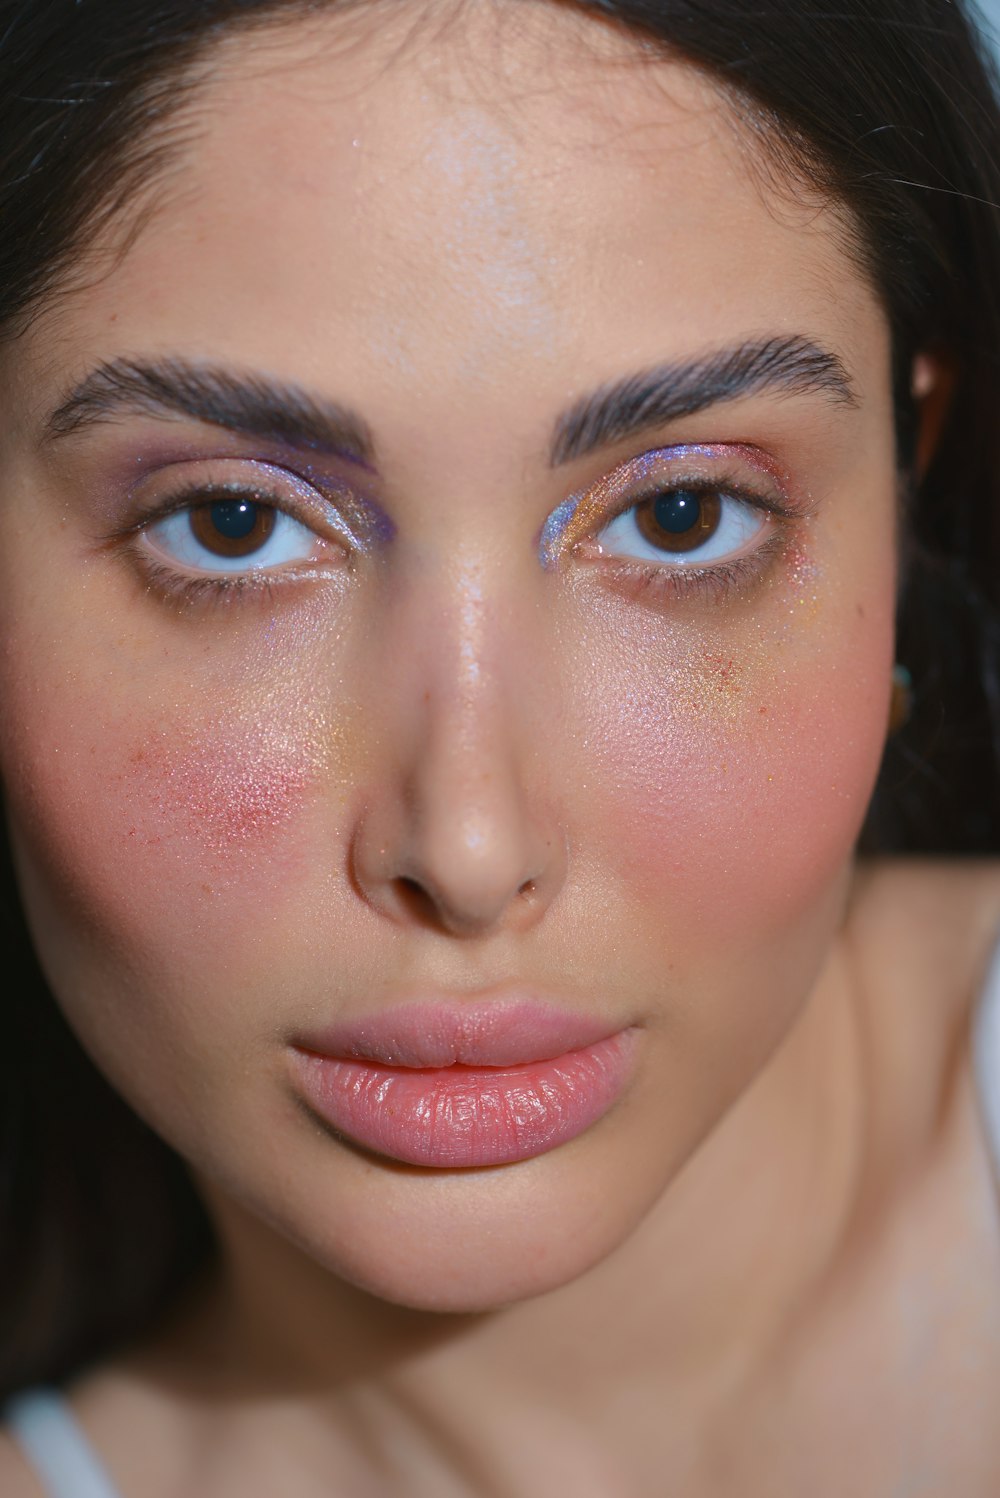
[[576, 517], [803, 573]]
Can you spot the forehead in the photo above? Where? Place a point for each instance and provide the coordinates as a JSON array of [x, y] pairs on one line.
[[514, 198]]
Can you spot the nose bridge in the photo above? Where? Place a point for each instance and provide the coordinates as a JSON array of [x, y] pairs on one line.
[[469, 800], [456, 830], [460, 658], [471, 663]]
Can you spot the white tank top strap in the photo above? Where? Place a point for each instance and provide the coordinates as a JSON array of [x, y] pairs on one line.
[[986, 1054], [43, 1425]]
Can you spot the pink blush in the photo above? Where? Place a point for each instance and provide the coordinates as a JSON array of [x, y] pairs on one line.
[[748, 810], [133, 835], [222, 793], [226, 788]]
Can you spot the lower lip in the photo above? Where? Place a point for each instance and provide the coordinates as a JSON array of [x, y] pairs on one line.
[[467, 1115]]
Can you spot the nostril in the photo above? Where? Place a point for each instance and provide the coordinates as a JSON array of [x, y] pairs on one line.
[[415, 898]]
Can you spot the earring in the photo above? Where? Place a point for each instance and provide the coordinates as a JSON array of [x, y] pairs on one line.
[[901, 699]]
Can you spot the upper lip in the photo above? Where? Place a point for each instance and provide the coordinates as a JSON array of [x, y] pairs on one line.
[[504, 1031]]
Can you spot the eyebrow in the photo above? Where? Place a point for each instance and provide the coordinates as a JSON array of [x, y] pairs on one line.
[[260, 407], [245, 403], [791, 365]]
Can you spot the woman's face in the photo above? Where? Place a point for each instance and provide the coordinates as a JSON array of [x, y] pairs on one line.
[[551, 668]]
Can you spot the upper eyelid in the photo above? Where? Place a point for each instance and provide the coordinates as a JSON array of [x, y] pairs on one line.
[[585, 513], [299, 498], [738, 492], [357, 521], [771, 489]]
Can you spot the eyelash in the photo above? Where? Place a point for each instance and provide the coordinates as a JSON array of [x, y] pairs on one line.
[[639, 580], [219, 588], [652, 580], [659, 581]]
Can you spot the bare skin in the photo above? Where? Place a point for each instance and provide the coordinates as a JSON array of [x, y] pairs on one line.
[[772, 1267], [879, 1372]]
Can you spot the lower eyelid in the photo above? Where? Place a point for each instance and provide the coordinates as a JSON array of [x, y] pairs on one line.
[[641, 580]]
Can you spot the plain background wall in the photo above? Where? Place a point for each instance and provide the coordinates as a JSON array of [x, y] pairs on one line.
[[991, 10]]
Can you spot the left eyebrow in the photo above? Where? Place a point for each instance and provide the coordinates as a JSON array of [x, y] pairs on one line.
[[790, 365], [246, 403]]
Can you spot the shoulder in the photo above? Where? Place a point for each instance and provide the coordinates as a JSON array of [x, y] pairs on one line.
[[17, 1480]]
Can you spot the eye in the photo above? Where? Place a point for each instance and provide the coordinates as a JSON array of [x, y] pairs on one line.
[[233, 533], [688, 526]]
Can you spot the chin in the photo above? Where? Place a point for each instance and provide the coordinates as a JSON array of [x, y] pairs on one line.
[[459, 1241]]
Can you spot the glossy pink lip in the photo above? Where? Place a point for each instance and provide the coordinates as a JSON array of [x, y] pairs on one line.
[[459, 1085]]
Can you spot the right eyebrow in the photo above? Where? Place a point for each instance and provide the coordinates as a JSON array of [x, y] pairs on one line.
[[246, 403], [788, 363]]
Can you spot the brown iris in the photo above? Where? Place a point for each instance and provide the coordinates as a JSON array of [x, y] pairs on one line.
[[232, 527], [679, 520]]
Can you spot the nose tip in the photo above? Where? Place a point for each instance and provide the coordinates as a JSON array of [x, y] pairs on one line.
[[465, 870], [477, 913]]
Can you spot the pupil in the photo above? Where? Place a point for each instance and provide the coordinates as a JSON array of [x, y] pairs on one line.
[[677, 512], [234, 518]]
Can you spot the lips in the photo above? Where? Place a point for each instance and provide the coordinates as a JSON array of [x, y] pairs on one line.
[[447, 1086]]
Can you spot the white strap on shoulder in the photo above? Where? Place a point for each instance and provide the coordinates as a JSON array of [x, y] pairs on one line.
[[42, 1423], [986, 1053]]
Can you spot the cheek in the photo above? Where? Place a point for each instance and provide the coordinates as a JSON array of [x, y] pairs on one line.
[[733, 775], [143, 834], [225, 795], [766, 794]]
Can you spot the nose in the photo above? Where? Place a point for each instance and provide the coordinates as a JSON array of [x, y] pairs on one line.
[[459, 831]]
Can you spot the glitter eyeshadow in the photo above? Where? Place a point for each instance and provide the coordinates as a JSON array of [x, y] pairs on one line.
[[572, 519], [707, 686], [802, 573], [367, 523], [358, 519]]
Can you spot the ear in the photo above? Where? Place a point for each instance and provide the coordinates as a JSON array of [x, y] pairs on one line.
[[932, 382]]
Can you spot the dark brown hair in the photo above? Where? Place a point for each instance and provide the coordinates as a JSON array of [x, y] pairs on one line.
[[888, 107]]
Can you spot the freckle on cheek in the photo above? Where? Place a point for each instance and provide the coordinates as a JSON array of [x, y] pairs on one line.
[[710, 685], [727, 687]]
